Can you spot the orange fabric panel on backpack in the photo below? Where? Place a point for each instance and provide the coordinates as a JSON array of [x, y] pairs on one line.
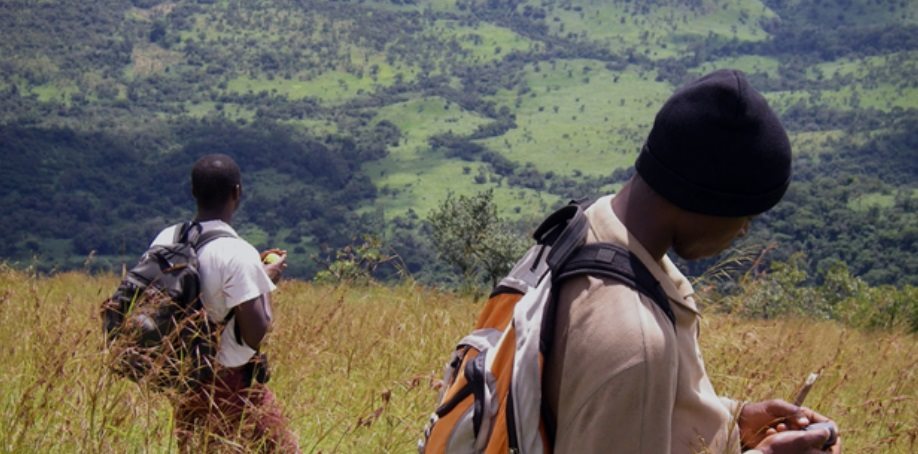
[[499, 443], [498, 311], [443, 430]]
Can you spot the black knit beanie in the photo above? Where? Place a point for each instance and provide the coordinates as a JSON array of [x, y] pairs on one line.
[[717, 148]]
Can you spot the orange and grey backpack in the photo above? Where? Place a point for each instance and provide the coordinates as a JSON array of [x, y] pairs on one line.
[[491, 401]]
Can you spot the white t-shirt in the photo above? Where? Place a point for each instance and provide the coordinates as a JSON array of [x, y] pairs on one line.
[[231, 274]]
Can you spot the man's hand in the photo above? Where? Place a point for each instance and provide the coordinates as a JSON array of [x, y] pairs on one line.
[[276, 268], [760, 419], [797, 442]]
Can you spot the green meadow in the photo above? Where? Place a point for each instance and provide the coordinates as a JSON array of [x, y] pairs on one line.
[[882, 97], [750, 64], [332, 86], [415, 177], [579, 116], [657, 32], [867, 201], [481, 43]]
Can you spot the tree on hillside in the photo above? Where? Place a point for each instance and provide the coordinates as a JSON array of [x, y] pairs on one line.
[[468, 234]]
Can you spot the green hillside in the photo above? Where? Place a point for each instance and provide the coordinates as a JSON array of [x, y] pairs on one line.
[[354, 118]]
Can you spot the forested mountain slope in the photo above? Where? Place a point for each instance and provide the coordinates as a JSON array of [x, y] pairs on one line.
[[356, 117]]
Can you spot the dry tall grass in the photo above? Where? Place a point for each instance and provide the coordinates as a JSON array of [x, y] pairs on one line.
[[355, 368]]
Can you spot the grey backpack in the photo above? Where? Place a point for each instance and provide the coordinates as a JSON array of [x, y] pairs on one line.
[[157, 330]]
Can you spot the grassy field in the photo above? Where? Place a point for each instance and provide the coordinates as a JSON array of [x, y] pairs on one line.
[[657, 32], [750, 64], [413, 176], [207, 108], [356, 367], [578, 115], [883, 97], [875, 199], [483, 42], [899, 64]]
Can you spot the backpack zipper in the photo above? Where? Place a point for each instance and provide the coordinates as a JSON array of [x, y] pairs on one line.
[[512, 441]]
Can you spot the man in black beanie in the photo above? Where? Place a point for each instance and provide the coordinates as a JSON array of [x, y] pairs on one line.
[[620, 376]]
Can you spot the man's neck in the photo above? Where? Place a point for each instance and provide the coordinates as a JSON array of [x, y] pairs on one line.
[[204, 216], [646, 216]]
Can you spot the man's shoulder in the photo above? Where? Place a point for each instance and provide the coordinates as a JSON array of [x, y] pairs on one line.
[[165, 236], [231, 246], [592, 287], [609, 328], [228, 235], [610, 309], [233, 249]]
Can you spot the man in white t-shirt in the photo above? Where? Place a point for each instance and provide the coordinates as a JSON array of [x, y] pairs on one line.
[[235, 291]]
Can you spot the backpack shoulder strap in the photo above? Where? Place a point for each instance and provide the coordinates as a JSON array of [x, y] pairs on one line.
[[559, 235], [606, 260], [185, 232], [564, 230], [209, 236], [181, 231], [615, 262]]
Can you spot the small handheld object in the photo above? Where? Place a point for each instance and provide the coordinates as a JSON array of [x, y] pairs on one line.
[[805, 389], [271, 257], [798, 401], [833, 433]]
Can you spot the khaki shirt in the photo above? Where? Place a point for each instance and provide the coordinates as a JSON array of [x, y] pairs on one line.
[[619, 379]]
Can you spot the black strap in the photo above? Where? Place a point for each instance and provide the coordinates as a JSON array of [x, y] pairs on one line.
[[209, 236], [475, 375], [564, 231], [513, 441], [185, 232], [606, 260], [182, 230], [547, 232], [502, 290], [615, 262]]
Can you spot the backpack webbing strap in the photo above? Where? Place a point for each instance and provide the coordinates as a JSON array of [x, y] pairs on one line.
[[569, 239], [209, 236], [606, 260], [182, 230], [184, 233], [561, 234], [615, 262]]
